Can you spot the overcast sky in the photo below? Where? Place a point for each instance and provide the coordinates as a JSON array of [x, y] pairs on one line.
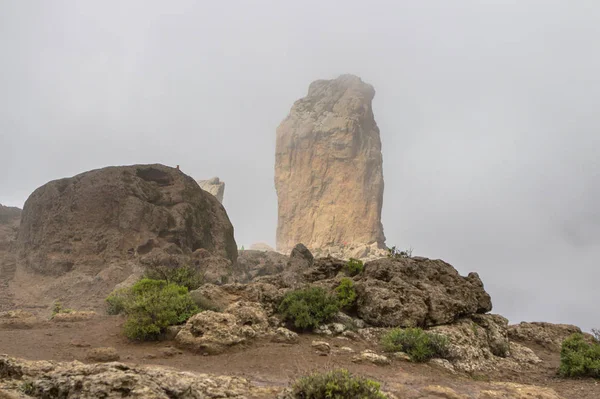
[[488, 113]]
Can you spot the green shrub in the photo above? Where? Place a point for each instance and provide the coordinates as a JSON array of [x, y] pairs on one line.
[[579, 358], [115, 302], [346, 293], [354, 267], [58, 308], [184, 275], [336, 384], [309, 307], [418, 344], [151, 306]]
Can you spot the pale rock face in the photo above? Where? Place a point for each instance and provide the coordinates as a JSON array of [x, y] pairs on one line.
[[328, 168], [214, 186]]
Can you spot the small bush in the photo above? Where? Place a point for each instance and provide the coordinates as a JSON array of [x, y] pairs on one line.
[[346, 293], [354, 267], [418, 344], [115, 302], [151, 306], [58, 308], [309, 307], [394, 252], [184, 275], [579, 358], [336, 384]]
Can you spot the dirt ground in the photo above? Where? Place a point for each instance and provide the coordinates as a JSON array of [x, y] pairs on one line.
[[266, 363]]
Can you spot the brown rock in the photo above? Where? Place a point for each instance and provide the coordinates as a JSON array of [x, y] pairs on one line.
[[406, 293], [99, 225], [328, 168], [103, 355], [321, 347]]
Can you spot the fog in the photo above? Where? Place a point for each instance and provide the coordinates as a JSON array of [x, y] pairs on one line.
[[488, 113]]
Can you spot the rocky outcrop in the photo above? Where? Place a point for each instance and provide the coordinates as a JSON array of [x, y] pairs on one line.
[[328, 168], [94, 230], [214, 186], [548, 335], [212, 333], [410, 292], [480, 343], [44, 379]]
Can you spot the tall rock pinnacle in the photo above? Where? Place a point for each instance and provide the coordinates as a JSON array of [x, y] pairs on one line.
[[328, 168]]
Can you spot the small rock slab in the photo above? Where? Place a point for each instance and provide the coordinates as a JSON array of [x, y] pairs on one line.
[[371, 357], [283, 335], [321, 347], [103, 355], [73, 316]]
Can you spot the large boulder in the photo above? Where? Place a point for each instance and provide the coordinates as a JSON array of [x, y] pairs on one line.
[[328, 168], [94, 228], [409, 292]]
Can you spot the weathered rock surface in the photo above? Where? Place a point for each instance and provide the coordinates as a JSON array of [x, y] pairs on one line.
[[212, 333], [44, 379], [214, 186], [410, 292], [91, 231], [480, 343], [547, 335], [328, 168]]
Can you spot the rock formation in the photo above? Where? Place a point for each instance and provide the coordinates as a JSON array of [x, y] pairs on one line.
[[328, 168], [99, 226], [214, 186]]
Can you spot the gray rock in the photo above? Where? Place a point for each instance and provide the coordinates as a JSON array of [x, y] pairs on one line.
[[405, 293]]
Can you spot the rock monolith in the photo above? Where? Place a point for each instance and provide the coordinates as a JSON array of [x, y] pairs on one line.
[[328, 169]]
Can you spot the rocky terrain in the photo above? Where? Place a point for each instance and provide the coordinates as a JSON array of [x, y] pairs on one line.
[[214, 186], [243, 349], [328, 171]]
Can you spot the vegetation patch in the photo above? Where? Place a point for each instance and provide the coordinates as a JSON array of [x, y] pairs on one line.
[[579, 357], [418, 344], [336, 384], [308, 308], [354, 267], [59, 308], [346, 293], [151, 306], [394, 252], [184, 275]]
